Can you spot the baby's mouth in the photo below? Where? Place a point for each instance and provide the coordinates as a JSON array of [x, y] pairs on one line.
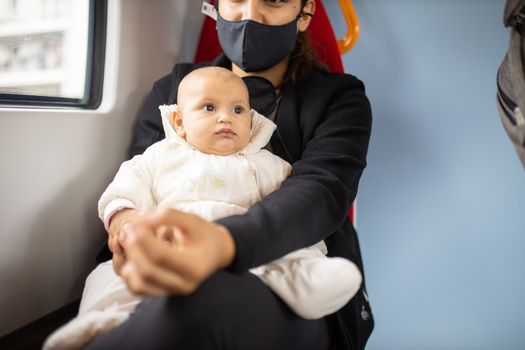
[[226, 132]]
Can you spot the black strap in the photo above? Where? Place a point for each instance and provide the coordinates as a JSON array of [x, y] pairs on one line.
[[517, 73], [514, 14]]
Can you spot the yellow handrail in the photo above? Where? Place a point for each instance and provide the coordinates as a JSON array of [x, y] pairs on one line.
[[352, 24]]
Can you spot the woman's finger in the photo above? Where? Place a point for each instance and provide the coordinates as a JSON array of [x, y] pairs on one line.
[[165, 233], [137, 284], [205, 246], [159, 264], [173, 217], [139, 235]]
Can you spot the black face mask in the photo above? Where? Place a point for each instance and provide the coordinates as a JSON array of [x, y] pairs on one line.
[[253, 46]]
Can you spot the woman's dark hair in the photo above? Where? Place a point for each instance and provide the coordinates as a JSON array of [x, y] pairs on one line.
[[303, 60]]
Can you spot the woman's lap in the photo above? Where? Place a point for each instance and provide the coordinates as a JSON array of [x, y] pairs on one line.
[[227, 312]]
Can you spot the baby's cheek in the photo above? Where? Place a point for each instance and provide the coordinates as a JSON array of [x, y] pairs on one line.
[[245, 140]]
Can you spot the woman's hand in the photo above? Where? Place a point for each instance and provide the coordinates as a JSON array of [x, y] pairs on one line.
[[116, 235], [199, 248]]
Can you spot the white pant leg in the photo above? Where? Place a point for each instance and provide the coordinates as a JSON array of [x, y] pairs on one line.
[[106, 302], [310, 283], [105, 290]]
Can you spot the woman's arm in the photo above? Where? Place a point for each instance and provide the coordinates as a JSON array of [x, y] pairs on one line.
[[311, 204], [313, 201]]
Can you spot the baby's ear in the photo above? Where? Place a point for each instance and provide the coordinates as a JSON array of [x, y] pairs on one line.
[[177, 123]]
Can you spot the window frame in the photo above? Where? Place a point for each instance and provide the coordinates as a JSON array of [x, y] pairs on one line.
[[94, 79]]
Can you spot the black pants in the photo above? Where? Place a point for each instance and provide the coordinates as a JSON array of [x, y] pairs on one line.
[[227, 312]]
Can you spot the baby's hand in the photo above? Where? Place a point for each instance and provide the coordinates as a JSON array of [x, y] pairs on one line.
[[115, 232], [118, 261], [116, 235]]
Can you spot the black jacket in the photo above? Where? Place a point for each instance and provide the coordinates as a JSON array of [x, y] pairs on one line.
[[323, 130]]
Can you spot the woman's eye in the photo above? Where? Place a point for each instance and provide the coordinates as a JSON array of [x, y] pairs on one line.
[[238, 110], [275, 2], [209, 107]]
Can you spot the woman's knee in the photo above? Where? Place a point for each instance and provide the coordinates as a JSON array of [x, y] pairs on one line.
[[204, 319], [227, 311], [216, 300]]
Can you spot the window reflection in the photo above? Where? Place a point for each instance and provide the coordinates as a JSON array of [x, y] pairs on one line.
[[43, 47]]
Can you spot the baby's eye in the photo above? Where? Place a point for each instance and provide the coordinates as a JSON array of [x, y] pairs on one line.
[[238, 110], [208, 107]]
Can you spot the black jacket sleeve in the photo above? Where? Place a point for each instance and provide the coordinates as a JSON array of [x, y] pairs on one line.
[[312, 203]]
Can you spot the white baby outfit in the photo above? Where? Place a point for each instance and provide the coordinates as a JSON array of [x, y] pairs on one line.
[[171, 173]]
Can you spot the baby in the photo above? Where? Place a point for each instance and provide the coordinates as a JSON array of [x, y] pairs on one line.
[[211, 163]]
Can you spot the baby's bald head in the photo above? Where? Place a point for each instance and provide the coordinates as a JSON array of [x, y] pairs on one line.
[[213, 111], [201, 78]]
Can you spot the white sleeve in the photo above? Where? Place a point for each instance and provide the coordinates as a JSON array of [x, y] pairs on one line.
[[131, 187], [270, 171]]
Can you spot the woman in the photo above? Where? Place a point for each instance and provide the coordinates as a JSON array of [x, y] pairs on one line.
[[202, 296]]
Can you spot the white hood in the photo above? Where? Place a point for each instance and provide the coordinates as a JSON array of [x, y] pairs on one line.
[[261, 131]]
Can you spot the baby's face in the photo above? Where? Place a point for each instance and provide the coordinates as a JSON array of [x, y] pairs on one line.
[[214, 114]]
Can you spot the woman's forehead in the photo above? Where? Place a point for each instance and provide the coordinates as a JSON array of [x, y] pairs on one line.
[[217, 2]]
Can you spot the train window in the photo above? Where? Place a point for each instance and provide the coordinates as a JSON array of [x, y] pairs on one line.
[[52, 52]]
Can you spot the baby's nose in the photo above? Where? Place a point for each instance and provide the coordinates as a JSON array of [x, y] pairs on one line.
[[223, 118]]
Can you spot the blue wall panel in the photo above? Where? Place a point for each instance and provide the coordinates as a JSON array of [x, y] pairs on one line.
[[441, 215]]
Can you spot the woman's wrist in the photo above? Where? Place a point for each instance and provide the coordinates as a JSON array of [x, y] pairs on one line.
[[227, 248]]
